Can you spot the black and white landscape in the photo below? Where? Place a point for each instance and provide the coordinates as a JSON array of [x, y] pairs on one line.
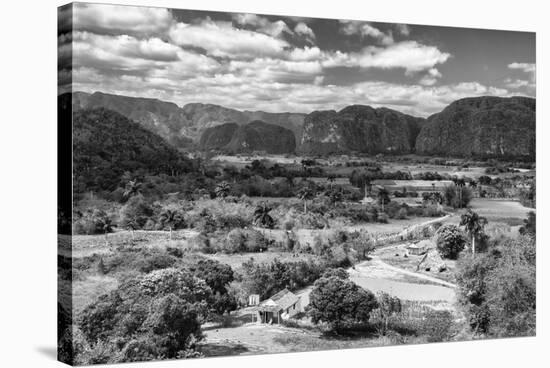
[[236, 184]]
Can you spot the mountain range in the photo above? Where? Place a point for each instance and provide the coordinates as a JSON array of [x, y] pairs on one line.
[[478, 126], [182, 126]]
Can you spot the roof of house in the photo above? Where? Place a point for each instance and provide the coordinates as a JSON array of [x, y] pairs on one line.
[[421, 245], [282, 300]]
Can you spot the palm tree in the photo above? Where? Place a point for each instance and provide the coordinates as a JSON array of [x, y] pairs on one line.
[[383, 197], [474, 184], [304, 194], [132, 224], [330, 179], [289, 180], [107, 228], [473, 224], [460, 183], [222, 189], [262, 216], [133, 187], [170, 219]]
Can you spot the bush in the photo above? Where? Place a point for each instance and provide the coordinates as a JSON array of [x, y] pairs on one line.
[[240, 241], [382, 218], [135, 213], [457, 196], [155, 316], [266, 279], [92, 222], [450, 241], [437, 325], [498, 289]]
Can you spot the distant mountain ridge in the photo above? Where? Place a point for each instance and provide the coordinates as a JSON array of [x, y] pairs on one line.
[[477, 126], [359, 128], [482, 127], [182, 126]]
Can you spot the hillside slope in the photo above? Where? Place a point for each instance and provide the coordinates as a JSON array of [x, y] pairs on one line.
[[182, 126], [106, 144], [482, 126], [359, 128], [261, 136]]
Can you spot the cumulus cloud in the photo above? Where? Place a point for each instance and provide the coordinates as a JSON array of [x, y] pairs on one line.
[[262, 24], [365, 29], [306, 53], [251, 62], [128, 55], [409, 55], [528, 84], [221, 39], [430, 78], [118, 19], [303, 29], [403, 29], [526, 67]]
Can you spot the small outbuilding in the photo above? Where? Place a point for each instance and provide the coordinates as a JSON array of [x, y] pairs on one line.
[[419, 248], [280, 306]]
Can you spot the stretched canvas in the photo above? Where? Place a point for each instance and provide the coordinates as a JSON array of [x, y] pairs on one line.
[[235, 184]]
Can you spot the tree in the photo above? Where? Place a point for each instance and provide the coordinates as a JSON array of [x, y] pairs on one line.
[[497, 289], [217, 276], [133, 187], [530, 225], [171, 219], [135, 213], [336, 272], [305, 193], [473, 224], [334, 195], [306, 164], [155, 316], [383, 197], [331, 178], [387, 306], [450, 241], [340, 303], [457, 196], [363, 243], [362, 180], [262, 216], [222, 190]]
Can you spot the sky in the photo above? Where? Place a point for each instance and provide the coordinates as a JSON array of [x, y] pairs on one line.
[[280, 63]]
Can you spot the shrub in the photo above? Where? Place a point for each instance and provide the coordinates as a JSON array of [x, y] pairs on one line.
[[437, 325], [401, 214], [92, 222], [135, 213], [498, 288], [155, 262], [457, 196], [382, 218], [450, 241], [255, 241], [268, 278], [235, 242]]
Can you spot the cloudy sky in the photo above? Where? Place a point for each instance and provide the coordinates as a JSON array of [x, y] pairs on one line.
[[277, 63]]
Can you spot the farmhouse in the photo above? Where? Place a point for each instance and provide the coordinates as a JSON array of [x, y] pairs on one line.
[[280, 306]]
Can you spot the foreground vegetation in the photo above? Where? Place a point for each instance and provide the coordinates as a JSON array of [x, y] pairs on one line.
[[157, 256]]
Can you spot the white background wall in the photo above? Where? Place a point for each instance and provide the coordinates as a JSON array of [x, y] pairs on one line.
[[28, 179]]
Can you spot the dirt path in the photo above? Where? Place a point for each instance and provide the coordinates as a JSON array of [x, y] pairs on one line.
[[434, 280]]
